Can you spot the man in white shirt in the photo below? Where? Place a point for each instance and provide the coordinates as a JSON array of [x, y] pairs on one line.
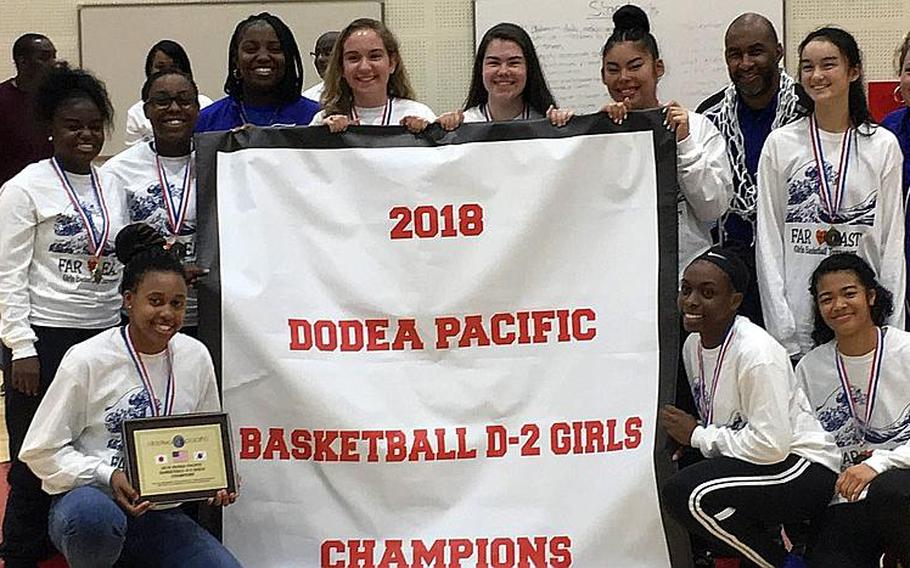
[[321, 53]]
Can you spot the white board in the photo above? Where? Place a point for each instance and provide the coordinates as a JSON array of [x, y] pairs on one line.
[[569, 36]]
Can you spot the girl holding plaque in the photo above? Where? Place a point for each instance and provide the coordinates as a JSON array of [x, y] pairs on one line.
[[366, 82], [157, 177], [856, 380], [58, 277], [75, 446], [631, 68], [265, 76], [827, 183], [507, 83], [768, 460]]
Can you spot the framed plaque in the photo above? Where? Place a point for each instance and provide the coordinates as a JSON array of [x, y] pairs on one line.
[[179, 458]]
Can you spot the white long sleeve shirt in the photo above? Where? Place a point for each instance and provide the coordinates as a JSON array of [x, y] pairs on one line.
[[133, 175], [760, 415], [790, 232], [44, 275], [888, 431], [476, 114], [75, 439], [705, 184], [139, 128]]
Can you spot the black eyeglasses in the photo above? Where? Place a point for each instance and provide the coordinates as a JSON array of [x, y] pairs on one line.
[[163, 101], [320, 53]]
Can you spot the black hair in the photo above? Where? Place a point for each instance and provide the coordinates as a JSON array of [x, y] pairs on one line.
[[141, 249], [881, 309], [846, 44], [630, 23], [173, 50], [62, 84], [730, 262], [24, 44], [292, 82], [147, 86], [536, 94]]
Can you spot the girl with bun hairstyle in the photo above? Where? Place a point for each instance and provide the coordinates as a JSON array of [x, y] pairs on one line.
[[507, 82], [58, 277], [366, 82], [75, 446], [856, 379], [827, 183], [631, 69]]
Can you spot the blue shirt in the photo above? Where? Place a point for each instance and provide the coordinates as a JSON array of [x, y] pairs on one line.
[[898, 122], [228, 113]]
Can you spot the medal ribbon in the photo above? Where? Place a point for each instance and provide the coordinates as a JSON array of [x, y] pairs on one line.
[[485, 109], [386, 113], [176, 212], [874, 375], [831, 200], [96, 239], [707, 400], [146, 381]]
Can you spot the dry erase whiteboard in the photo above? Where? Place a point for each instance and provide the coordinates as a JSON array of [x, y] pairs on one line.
[[569, 34], [115, 38]]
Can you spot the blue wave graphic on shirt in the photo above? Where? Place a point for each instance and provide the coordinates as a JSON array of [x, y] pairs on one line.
[[736, 422], [834, 415], [148, 208], [137, 406], [72, 237], [805, 204]]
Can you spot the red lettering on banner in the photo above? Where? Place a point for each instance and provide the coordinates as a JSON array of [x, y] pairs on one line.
[[393, 553], [376, 335], [322, 450], [459, 549], [396, 446], [360, 553], [329, 552], [351, 334], [560, 552], [532, 431], [407, 333], [250, 443], [633, 432], [372, 437], [276, 444], [464, 452], [497, 441], [421, 445], [502, 553], [473, 330], [349, 445], [441, 453], [500, 338], [577, 317], [433, 557], [301, 444], [446, 328], [425, 219]]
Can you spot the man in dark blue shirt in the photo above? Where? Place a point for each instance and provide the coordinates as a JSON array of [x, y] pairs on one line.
[[760, 98]]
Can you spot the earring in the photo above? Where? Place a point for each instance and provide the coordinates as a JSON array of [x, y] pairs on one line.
[[50, 138], [236, 73], [897, 97]]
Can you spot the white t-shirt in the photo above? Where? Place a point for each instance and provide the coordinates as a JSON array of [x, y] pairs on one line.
[[75, 436], [138, 126], [133, 175], [45, 279], [790, 231], [480, 114], [888, 432], [705, 187], [374, 116], [760, 414], [314, 92]]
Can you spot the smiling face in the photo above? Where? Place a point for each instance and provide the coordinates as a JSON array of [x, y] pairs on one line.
[[825, 73], [260, 60], [844, 303], [505, 71], [366, 67], [630, 72], [156, 309], [752, 58], [905, 81], [707, 301], [172, 108], [77, 132]]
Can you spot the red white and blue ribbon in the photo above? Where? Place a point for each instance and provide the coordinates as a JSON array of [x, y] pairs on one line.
[[97, 239], [147, 382], [485, 109], [707, 397], [386, 113], [832, 199], [875, 373], [176, 212]]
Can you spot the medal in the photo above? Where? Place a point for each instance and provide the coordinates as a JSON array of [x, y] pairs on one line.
[[707, 399], [874, 375], [833, 237], [178, 249], [176, 212], [831, 198], [386, 113], [146, 381], [96, 240]]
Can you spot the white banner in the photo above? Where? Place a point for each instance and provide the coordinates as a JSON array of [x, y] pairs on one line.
[[443, 355]]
